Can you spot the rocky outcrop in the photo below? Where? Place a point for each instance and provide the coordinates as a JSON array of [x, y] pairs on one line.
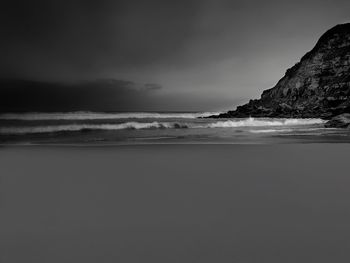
[[317, 86], [340, 121]]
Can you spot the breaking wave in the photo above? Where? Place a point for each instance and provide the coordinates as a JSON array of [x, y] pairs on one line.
[[257, 122], [250, 122], [270, 130], [87, 127], [82, 115]]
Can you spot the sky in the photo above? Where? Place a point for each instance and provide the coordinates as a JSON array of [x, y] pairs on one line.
[[201, 54]]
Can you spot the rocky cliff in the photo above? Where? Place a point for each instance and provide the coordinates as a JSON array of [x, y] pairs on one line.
[[317, 86]]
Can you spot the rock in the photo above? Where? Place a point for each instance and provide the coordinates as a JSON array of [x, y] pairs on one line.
[[339, 121], [316, 87]]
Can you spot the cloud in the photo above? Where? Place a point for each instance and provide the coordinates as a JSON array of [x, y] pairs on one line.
[[100, 95], [55, 40], [199, 50]]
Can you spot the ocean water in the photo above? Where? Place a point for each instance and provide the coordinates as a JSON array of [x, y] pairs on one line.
[[99, 128]]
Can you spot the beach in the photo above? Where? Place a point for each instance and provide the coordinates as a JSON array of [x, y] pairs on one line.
[[175, 203], [175, 131]]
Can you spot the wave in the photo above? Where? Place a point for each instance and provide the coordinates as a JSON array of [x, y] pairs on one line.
[[302, 130], [270, 130], [259, 122], [82, 115], [250, 122], [87, 127]]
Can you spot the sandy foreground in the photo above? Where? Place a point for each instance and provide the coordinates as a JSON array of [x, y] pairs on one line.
[[175, 203]]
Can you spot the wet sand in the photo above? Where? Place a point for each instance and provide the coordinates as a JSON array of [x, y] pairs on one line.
[[175, 203]]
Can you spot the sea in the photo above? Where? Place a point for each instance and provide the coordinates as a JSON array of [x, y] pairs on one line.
[[124, 128]]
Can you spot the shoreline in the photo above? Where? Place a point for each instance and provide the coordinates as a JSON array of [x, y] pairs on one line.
[[175, 203]]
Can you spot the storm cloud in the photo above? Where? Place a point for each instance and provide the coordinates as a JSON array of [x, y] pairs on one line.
[[78, 39], [100, 95], [206, 52]]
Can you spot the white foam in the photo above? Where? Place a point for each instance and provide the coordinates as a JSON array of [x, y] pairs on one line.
[[270, 130], [259, 122], [79, 127], [81, 115], [250, 122]]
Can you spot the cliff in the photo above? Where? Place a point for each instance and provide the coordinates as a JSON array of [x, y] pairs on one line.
[[317, 86]]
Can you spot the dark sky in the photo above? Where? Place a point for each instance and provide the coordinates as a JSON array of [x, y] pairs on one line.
[[206, 55]]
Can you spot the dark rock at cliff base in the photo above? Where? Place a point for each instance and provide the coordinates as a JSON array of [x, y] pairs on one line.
[[316, 87], [340, 121]]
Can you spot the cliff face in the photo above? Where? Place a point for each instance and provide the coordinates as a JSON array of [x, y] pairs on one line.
[[317, 86]]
